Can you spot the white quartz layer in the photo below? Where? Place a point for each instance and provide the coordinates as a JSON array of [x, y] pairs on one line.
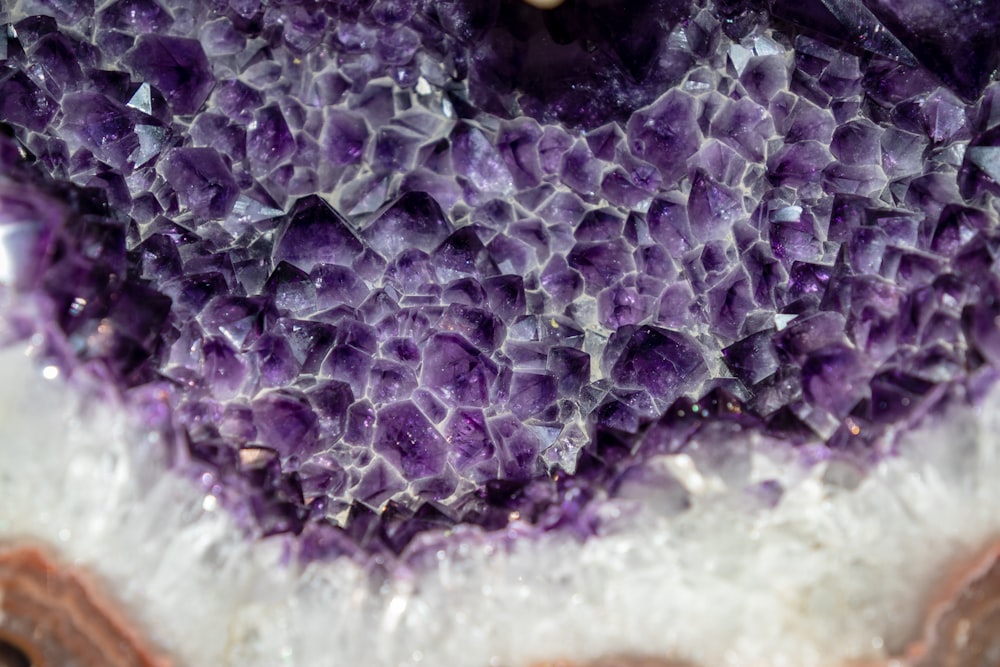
[[832, 574]]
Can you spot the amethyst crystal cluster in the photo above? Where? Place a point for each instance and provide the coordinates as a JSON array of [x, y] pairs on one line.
[[381, 267]]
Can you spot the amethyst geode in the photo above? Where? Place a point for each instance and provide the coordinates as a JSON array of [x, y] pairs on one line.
[[384, 267]]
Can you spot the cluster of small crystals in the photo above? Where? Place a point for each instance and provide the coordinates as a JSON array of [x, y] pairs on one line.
[[379, 288]]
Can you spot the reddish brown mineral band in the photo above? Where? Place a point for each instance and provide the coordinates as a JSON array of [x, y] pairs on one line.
[[52, 616], [963, 626]]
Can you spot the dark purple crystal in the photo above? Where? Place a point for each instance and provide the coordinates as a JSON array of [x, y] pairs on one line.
[[414, 220], [202, 180], [665, 363], [408, 441], [314, 233], [666, 133], [457, 371], [269, 140], [285, 421], [177, 67]]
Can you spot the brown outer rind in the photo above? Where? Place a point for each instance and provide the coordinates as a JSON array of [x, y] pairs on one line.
[[56, 616], [963, 623]]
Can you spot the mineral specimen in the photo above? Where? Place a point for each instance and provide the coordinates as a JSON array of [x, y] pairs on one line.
[[394, 267]]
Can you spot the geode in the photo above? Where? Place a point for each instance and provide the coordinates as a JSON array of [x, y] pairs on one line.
[[374, 273]]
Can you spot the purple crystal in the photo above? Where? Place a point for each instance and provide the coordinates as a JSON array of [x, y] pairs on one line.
[[314, 233], [344, 137], [223, 367], [476, 325], [369, 272], [943, 117], [665, 363], [798, 165], [237, 100], [412, 272], [519, 447], [414, 220], [807, 122], [310, 341], [712, 208], [505, 296], [462, 253], [956, 226], [601, 263], [808, 334], [291, 289], [669, 225], [666, 133], [22, 102], [409, 442], [237, 318], [469, 439], [27, 218], [980, 171], [348, 364], [337, 285], [730, 302], [552, 146], [221, 38], [203, 182], [127, 333], [390, 382], [764, 77], [192, 293], [394, 150], [474, 157], [176, 66], [618, 306], [285, 421], [794, 235], [580, 171], [836, 379], [269, 141], [857, 142], [571, 367], [584, 64], [752, 359], [518, 144], [142, 16], [60, 59], [102, 126], [599, 225], [958, 44], [561, 282], [216, 131], [457, 371], [619, 188], [330, 401], [276, 361], [531, 393], [276, 515], [378, 483], [863, 179], [745, 126]]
